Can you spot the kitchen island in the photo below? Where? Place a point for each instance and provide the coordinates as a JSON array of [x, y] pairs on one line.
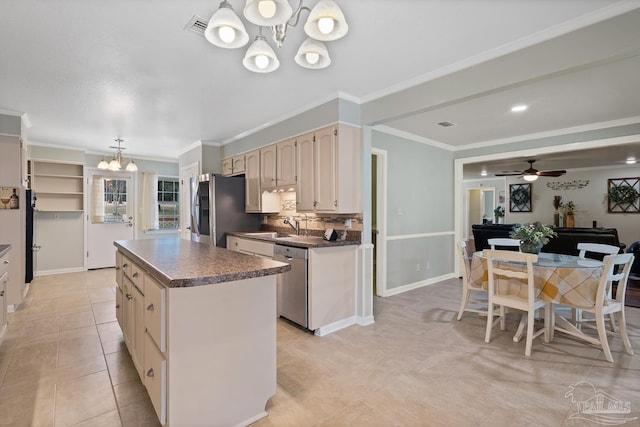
[[200, 324]]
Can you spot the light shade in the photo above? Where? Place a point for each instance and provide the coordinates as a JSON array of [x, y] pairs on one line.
[[114, 165], [259, 12], [321, 13], [103, 164], [225, 29], [313, 54], [132, 167], [530, 178], [260, 58]]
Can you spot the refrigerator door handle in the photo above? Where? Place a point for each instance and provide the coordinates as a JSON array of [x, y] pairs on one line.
[[36, 248]]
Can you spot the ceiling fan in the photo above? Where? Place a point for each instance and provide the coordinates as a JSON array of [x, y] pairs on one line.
[[532, 174]]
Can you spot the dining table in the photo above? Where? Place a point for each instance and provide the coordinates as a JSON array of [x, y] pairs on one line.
[[559, 278]]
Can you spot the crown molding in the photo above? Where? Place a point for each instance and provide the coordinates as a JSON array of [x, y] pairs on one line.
[[413, 137]]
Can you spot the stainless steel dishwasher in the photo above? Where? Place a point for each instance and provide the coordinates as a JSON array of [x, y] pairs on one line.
[[292, 285]]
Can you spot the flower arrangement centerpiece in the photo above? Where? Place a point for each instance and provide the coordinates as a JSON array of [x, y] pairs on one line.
[[498, 213], [532, 237], [569, 210]]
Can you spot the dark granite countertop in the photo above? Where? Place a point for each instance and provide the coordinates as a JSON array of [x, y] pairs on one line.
[[295, 241], [177, 263], [4, 249]]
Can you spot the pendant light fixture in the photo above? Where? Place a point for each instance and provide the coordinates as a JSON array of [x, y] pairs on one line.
[[116, 163], [325, 22]]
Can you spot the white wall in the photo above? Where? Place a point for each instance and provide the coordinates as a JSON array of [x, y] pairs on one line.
[[591, 202]]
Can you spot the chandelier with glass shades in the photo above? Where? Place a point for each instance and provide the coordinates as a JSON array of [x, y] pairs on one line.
[[116, 163], [325, 23]]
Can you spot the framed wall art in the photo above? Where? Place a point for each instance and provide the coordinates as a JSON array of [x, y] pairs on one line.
[[519, 197], [623, 195]]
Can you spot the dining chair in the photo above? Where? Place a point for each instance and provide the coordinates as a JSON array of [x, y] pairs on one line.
[[594, 248], [605, 305], [467, 286], [503, 243], [508, 265]]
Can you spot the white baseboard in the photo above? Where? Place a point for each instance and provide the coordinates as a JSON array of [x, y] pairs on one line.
[[416, 285], [60, 271], [336, 326], [365, 320]]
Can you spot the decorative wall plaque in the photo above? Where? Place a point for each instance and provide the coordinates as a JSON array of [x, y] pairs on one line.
[[623, 195], [519, 197], [568, 185]]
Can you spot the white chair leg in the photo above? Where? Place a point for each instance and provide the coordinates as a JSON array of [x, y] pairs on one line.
[[465, 300], [547, 321], [552, 321], [623, 332], [487, 335], [530, 322], [602, 335], [503, 319], [612, 318]]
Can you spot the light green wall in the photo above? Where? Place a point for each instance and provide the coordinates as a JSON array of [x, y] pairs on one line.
[[10, 125], [419, 201]]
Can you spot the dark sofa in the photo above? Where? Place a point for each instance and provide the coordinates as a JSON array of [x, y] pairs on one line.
[[566, 242]]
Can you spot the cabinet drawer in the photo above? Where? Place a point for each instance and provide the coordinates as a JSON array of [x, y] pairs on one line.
[[155, 372], [119, 306], [126, 265], [4, 264], [136, 277], [154, 315], [256, 247]]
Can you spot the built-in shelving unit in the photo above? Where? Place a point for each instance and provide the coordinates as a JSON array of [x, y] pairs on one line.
[[58, 186]]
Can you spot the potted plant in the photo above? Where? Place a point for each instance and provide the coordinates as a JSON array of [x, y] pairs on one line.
[[498, 213], [532, 237], [569, 210]]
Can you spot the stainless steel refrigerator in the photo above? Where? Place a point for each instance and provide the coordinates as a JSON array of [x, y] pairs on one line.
[[217, 207]]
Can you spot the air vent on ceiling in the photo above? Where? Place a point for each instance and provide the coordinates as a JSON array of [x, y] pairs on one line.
[[446, 124], [197, 25]]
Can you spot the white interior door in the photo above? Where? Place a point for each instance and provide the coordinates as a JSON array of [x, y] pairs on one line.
[[110, 215], [185, 198]]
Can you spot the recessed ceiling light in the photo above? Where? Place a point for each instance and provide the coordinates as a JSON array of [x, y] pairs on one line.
[[519, 108], [631, 160]]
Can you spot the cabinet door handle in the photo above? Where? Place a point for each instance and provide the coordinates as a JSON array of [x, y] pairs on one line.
[[6, 261], [125, 265], [117, 305], [117, 267], [1, 293], [150, 307], [129, 297], [135, 274], [150, 373]]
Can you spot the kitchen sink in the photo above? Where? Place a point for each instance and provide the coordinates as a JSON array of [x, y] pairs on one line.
[[271, 234]]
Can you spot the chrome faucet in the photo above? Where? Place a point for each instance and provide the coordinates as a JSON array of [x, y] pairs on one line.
[[295, 227], [306, 224]]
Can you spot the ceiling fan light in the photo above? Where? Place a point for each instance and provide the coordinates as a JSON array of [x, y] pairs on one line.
[[313, 54], [267, 13], [103, 164], [530, 178], [225, 29], [322, 17], [260, 57]]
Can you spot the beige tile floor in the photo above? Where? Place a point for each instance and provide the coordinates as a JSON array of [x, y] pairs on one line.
[[63, 363]]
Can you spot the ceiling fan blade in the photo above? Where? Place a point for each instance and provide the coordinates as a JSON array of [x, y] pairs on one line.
[[509, 174], [552, 173]]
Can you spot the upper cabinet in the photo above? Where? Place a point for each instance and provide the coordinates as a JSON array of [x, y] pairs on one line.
[[286, 162], [329, 170], [11, 154], [256, 198], [234, 165], [58, 186], [268, 167]]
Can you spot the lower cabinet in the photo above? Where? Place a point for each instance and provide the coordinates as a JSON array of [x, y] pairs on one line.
[[155, 377], [137, 341]]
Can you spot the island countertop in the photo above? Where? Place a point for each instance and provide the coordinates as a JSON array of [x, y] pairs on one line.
[[176, 262]]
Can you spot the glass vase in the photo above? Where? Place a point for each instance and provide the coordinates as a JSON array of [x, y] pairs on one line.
[[531, 248]]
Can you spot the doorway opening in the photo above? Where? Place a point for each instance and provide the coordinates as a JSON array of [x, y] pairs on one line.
[[379, 220]]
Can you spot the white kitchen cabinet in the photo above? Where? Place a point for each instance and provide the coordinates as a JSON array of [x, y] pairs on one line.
[[268, 167], [138, 328], [127, 312], [252, 181], [155, 317], [256, 198], [4, 283], [286, 163], [329, 170], [155, 378], [234, 165], [250, 246]]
